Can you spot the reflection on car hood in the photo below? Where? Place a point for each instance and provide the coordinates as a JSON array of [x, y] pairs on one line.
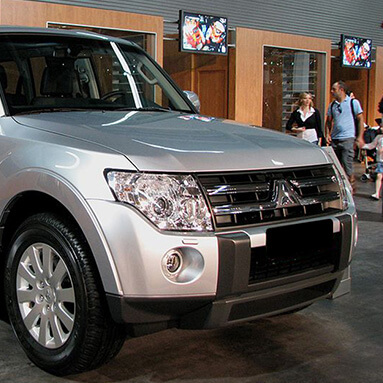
[[175, 142]]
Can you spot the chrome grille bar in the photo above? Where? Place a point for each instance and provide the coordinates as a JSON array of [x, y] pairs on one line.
[[239, 188], [328, 197], [245, 208], [255, 197], [271, 205], [318, 181]]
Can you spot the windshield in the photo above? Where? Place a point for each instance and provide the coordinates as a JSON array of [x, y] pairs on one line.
[[47, 72]]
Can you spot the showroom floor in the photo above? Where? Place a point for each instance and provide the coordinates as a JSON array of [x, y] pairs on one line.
[[338, 340]]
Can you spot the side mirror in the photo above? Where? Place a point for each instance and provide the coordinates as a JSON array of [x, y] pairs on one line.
[[193, 98]]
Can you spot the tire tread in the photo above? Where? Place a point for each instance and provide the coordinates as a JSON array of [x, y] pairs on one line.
[[103, 338]]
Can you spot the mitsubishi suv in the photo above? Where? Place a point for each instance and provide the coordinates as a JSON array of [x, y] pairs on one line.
[[124, 211]]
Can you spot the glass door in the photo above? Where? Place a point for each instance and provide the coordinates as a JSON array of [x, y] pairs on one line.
[[286, 74]]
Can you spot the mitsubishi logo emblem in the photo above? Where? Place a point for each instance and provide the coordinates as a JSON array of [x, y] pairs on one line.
[[284, 194]]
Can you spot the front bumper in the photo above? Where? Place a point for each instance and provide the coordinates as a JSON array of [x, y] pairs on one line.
[[238, 298]]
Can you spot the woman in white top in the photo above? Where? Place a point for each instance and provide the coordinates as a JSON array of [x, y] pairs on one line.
[[306, 120]]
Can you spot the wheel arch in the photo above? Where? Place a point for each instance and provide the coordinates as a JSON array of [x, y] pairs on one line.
[[46, 192]]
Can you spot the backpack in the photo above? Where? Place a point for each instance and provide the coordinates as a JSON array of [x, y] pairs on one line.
[[370, 134]]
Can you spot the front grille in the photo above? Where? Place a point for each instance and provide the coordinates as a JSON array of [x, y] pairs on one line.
[[294, 249], [248, 198]]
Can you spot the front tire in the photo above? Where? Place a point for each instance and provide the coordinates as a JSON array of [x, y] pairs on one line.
[[54, 298]]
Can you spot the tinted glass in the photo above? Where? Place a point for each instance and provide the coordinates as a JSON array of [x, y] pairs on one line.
[[48, 72]]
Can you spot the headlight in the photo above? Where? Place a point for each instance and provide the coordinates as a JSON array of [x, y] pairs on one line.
[[342, 180], [171, 202], [342, 187]]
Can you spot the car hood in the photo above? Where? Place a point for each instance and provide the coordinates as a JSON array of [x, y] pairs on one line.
[[176, 142]]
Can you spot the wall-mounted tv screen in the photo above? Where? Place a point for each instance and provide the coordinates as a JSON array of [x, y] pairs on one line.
[[203, 33], [356, 52]]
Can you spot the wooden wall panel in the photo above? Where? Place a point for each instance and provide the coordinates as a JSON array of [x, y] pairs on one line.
[[212, 91], [210, 83], [178, 64], [231, 85], [205, 74], [37, 14], [249, 67]]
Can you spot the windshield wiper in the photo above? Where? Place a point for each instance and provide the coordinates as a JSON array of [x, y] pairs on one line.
[[50, 110], [145, 109], [153, 109]]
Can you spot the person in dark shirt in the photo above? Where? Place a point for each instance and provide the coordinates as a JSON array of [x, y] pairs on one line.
[[380, 110], [306, 121]]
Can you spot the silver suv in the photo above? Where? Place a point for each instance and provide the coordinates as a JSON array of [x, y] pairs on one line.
[[124, 211]]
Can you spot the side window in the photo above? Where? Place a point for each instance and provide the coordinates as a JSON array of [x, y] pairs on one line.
[[115, 85], [87, 82], [84, 84], [151, 92], [104, 69], [10, 78], [37, 67]]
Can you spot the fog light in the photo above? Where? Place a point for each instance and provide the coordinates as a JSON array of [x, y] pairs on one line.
[[182, 264], [172, 262]]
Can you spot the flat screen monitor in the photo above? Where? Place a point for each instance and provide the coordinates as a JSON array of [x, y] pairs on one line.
[[203, 33], [356, 52]]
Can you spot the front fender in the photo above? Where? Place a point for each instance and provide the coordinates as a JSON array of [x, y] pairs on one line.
[[49, 183]]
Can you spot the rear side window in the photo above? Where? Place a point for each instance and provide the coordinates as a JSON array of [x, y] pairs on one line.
[[11, 81]]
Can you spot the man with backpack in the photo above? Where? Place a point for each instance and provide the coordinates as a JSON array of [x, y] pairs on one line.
[[344, 126]]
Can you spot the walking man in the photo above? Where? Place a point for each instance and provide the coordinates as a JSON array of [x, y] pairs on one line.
[[344, 126]]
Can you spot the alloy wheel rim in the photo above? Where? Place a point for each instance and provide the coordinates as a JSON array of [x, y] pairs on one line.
[[45, 295]]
